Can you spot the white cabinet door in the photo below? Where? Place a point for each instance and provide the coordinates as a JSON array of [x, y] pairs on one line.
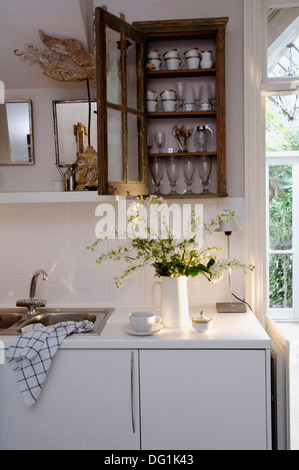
[[203, 399], [89, 401]]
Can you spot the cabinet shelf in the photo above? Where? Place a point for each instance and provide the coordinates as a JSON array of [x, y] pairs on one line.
[[182, 154], [181, 73], [182, 114], [193, 196]]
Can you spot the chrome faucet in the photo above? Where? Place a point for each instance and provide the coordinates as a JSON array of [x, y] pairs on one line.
[[33, 302]]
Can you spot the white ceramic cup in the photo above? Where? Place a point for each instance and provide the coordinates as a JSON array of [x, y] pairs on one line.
[[152, 106], [143, 321], [154, 54], [151, 95], [174, 63], [193, 62], [192, 52], [157, 62], [168, 95], [169, 105], [172, 53]]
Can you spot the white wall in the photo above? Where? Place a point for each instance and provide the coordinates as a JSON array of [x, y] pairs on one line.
[[54, 237]]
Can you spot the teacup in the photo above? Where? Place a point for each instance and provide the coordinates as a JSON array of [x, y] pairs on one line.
[[157, 62], [174, 63], [169, 105], [192, 52], [151, 95], [152, 106], [167, 95], [172, 53], [193, 62], [143, 321], [189, 107], [154, 54]]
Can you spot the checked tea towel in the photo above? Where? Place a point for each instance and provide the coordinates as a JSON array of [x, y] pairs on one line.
[[33, 352]]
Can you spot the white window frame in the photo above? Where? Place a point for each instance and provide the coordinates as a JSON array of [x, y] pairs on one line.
[[285, 158], [255, 83]]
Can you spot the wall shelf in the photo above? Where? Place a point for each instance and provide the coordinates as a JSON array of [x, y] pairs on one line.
[[55, 197]]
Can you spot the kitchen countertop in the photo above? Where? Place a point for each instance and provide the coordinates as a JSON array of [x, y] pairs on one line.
[[229, 331]]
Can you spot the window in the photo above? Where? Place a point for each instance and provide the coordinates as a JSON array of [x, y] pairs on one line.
[[282, 163]]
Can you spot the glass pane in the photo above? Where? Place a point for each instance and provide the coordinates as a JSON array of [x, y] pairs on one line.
[[283, 42], [280, 281], [282, 123], [280, 207], [133, 160], [131, 74], [114, 129], [113, 58]]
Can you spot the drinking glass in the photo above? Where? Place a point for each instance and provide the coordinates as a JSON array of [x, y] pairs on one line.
[[160, 140], [189, 169], [205, 169], [197, 91], [211, 89], [172, 169], [156, 167], [180, 93]]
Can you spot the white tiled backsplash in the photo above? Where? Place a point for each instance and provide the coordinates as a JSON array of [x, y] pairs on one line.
[[54, 236]]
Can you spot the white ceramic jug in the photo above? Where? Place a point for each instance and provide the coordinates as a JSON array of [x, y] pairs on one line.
[[174, 301], [206, 60]]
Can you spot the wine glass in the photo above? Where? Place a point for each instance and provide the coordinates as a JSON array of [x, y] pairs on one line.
[[189, 169], [172, 169], [180, 93], [205, 169], [160, 140], [197, 91], [156, 168], [211, 89]]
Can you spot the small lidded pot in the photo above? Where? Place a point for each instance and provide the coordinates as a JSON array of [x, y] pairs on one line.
[[202, 323]]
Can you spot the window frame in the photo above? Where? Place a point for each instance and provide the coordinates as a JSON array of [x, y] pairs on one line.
[[256, 83]]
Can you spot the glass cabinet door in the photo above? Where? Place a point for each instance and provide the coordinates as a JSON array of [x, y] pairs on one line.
[[121, 106]]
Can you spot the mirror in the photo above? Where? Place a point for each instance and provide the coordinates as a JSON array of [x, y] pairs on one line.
[[16, 133], [68, 114]]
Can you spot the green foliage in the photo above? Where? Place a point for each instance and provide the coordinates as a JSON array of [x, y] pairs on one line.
[[281, 133]]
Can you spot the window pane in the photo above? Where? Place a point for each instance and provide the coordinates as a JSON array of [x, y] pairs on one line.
[[115, 153], [282, 123], [113, 57], [283, 38], [133, 153], [280, 281], [131, 74], [280, 207]]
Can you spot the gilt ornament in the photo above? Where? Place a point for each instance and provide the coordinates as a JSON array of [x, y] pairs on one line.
[[67, 62]]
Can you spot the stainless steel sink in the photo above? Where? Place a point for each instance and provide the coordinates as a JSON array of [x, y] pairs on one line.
[[13, 320]]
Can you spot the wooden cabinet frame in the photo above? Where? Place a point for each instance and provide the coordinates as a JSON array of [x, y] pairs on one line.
[[213, 28]]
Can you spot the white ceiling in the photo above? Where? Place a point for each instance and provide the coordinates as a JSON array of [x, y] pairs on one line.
[[20, 21]]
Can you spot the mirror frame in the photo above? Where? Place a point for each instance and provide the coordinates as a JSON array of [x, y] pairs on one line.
[[56, 135], [32, 162]]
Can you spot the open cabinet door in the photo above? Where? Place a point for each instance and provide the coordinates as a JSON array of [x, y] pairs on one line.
[[120, 106], [280, 349]]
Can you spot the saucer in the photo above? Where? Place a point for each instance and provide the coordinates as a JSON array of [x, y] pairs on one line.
[[152, 331]]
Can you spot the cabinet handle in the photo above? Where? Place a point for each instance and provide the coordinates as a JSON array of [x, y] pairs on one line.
[[132, 392]]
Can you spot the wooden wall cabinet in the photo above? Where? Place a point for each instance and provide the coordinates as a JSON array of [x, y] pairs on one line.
[[205, 34]]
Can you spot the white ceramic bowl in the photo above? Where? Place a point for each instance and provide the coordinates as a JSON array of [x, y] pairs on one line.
[[202, 323]]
